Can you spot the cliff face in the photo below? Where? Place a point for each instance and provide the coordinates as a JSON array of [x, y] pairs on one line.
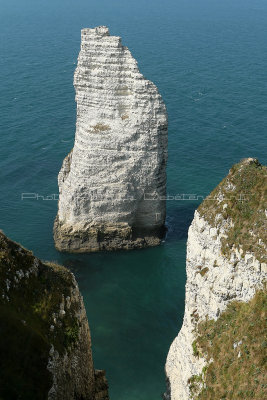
[[45, 342], [112, 185], [226, 261]]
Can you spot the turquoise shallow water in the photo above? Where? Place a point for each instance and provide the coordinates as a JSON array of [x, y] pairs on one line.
[[208, 59]]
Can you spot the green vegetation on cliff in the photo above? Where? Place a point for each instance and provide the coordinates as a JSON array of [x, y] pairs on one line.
[[31, 293], [236, 347], [240, 203]]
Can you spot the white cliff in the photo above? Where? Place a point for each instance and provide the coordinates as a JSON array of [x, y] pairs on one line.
[[112, 185], [220, 269]]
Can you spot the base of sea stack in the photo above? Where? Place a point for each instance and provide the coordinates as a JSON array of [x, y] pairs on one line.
[[105, 237]]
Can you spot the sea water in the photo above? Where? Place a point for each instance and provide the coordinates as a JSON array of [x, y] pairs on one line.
[[209, 61]]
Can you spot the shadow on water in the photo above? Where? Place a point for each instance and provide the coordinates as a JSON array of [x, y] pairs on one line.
[[178, 221]]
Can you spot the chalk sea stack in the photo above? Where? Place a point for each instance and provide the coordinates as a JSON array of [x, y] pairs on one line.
[[112, 185], [220, 351], [45, 342]]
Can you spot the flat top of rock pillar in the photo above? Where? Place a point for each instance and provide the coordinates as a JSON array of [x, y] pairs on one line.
[[99, 31]]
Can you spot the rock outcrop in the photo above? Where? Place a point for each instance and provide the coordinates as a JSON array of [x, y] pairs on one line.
[[226, 261], [45, 342], [112, 184]]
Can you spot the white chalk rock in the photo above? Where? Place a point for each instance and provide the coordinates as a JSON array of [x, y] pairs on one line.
[[112, 185], [213, 281]]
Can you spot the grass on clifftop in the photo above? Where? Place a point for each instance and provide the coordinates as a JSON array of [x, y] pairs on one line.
[[240, 201], [237, 344], [27, 306]]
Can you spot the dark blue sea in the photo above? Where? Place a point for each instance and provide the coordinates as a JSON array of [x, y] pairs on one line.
[[209, 61]]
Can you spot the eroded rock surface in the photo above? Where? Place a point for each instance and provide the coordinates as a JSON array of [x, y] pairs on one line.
[[226, 261], [45, 342], [112, 185]]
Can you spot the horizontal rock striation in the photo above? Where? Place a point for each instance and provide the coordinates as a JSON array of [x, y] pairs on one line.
[[226, 261], [112, 185], [45, 342]]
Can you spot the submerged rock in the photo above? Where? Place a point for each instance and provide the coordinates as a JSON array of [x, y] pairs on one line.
[[112, 184], [226, 262], [45, 341]]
